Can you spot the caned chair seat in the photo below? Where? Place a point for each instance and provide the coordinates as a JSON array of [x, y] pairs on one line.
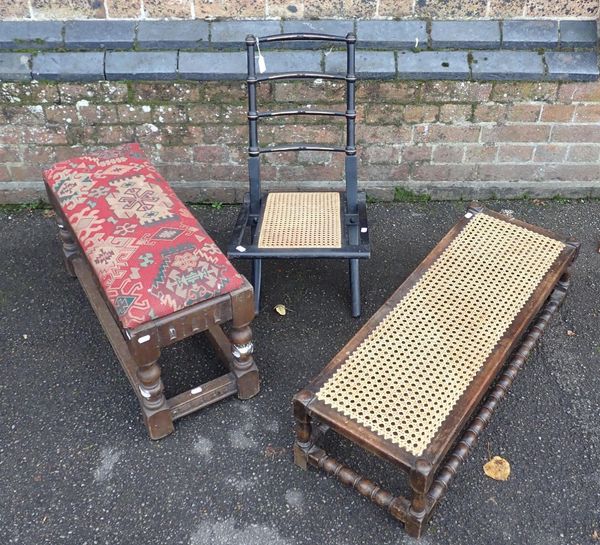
[[408, 385], [301, 220]]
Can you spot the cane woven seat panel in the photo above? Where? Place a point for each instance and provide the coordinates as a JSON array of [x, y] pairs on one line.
[[301, 220], [403, 380]]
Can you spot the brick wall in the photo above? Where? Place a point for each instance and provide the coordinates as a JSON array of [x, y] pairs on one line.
[[450, 139], [188, 9]]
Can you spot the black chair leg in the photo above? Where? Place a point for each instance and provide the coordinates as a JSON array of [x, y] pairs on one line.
[[355, 287], [256, 280]]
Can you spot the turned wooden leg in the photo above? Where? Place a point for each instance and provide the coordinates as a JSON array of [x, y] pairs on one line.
[[154, 404], [419, 506], [244, 368], [303, 428], [69, 246]]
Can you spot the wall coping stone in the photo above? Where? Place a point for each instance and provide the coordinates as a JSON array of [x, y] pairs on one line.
[[92, 34], [168, 49]]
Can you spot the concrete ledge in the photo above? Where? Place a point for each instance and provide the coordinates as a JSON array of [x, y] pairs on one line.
[[448, 50], [15, 66], [31, 34], [82, 66], [98, 35], [566, 66], [172, 34], [465, 34], [426, 65], [155, 65], [507, 65], [207, 191]]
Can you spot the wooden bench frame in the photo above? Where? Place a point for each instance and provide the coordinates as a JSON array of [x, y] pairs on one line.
[[138, 350], [430, 474]]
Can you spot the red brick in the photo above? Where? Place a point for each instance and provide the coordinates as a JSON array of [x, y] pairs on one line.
[[29, 93], [384, 114], [446, 133], [133, 113], [386, 91], [99, 92], [515, 154], [583, 154], [38, 154], [506, 172], [455, 91], [114, 134], [549, 153], [287, 158], [289, 134], [32, 114], [481, 153], [9, 154], [28, 171], [223, 134], [575, 133], [516, 133], [300, 173], [385, 172], [204, 113], [583, 173], [169, 114], [236, 114], [419, 152], [98, 114], [524, 91], [415, 113], [587, 113], [490, 113], [380, 154], [301, 92], [391, 134], [59, 113], [165, 92], [211, 154], [441, 173], [557, 112], [160, 9], [580, 92], [528, 113], [174, 154], [5, 174], [14, 134], [455, 113], [447, 154]]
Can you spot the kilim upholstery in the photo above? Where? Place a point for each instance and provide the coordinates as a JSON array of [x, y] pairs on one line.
[[150, 254], [407, 385], [153, 277]]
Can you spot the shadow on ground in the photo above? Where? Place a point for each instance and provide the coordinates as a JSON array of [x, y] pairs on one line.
[[77, 467]]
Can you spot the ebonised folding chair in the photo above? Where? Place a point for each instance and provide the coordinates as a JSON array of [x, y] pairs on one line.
[[290, 225]]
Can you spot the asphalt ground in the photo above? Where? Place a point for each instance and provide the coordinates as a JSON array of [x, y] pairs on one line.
[[77, 467]]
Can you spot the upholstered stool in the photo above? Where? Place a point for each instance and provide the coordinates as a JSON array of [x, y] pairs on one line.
[[409, 386], [153, 277]]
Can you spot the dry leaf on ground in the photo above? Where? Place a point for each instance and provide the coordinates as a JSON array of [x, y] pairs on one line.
[[281, 310], [595, 536], [571, 333], [497, 468]]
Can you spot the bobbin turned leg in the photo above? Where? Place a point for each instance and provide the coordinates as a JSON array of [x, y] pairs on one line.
[[419, 506], [157, 415], [242, 347], [69, 246], [303, 428]]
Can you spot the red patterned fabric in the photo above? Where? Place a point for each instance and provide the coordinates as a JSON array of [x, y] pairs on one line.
[[150, 254]]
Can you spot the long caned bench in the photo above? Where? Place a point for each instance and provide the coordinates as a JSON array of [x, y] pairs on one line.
[[153, 277], [411, 386]]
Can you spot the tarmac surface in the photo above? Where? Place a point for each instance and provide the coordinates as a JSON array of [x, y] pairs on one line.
[[77, 467]]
